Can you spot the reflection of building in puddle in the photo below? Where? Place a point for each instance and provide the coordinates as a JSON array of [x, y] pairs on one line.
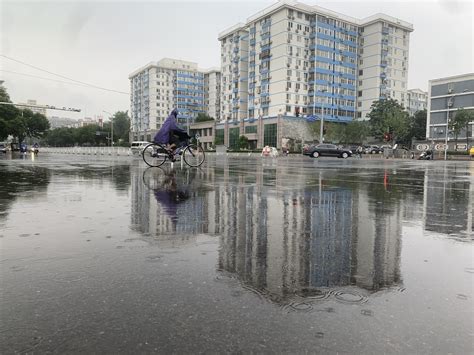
[[171, 208], [306, 239], [449, 202]]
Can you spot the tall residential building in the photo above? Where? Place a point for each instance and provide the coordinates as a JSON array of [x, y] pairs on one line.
[[445, 97], [417, 101], [212, 92], [158, 87], [293, 59]]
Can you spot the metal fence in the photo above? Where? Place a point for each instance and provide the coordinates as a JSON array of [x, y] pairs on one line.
[[111, 151]]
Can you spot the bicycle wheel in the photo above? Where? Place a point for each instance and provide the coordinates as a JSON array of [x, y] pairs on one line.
[[154, 154], [193, 155]]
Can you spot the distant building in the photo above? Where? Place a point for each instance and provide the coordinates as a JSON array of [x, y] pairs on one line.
[[417, 101], [445, 97], [160, 86], [58, 122], [40, 109]]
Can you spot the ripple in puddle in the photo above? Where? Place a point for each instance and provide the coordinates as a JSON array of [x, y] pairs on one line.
[[349, 296], [297, 306]]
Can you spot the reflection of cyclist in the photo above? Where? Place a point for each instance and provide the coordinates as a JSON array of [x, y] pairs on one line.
[[170, 133], [171, 193]]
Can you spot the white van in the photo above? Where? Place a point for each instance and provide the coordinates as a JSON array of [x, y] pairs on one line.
[[137, 147]]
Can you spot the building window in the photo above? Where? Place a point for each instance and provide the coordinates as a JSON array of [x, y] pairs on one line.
[[219, 139], [234, 137], [270, 135], [361, 72], [359, 93], [250, 129]]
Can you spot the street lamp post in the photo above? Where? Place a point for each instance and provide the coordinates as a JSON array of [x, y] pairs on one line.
[[111, 128], [446, 135], [322, 120], [449, 104]]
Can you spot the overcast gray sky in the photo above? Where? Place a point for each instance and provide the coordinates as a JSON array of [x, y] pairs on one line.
[[103, 42]]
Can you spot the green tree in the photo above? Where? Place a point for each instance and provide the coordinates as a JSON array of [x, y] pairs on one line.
[[28, 124], [121, 123], [388, 116], [355, 132], [61, 137], [243, 142], [8, 113], [331, 131], [20, 123], [202, 117], [418, 125], [461, 121]]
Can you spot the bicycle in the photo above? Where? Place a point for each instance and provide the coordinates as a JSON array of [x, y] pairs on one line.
[[154, 154]]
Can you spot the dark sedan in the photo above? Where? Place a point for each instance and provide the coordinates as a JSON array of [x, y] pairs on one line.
[[329, 150]]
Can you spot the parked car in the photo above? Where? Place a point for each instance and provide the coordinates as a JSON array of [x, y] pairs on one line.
[[471, 152], [137, 147], [331, 150], [373, 149], [3, 148]]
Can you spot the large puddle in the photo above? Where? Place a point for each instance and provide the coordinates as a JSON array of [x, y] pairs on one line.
[[243, 254]]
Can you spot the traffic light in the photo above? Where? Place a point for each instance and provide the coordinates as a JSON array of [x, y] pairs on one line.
[[387, 136]]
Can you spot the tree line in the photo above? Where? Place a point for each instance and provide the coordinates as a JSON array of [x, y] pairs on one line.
[[20, 123], [25, 124], [93, 134]]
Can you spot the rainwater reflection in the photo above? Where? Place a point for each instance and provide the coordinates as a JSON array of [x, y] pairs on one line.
[[332, 232]]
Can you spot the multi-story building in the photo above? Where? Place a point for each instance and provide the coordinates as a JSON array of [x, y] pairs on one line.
[[417, 101], [294, 60], [33, 106], [383, 61], [212, 92], [158, 87], [445, 97]]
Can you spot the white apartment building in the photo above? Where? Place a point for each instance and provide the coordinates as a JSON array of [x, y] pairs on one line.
[[158, 87], [417, 101], [293, 59], [212, 92]]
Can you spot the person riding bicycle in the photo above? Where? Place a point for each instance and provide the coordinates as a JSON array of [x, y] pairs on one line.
[[170, 133]]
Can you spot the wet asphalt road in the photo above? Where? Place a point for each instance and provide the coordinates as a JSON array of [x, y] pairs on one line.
[[246, 254]]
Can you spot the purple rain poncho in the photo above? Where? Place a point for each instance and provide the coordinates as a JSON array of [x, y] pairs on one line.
[[170, 125]]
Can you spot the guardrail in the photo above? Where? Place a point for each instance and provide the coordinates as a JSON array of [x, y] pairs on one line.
[[111, 151]]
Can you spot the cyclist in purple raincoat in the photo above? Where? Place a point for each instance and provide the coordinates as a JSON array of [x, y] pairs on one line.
[[170, 133]]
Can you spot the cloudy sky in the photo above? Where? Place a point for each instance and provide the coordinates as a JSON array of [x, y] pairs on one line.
[[102, 42]]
